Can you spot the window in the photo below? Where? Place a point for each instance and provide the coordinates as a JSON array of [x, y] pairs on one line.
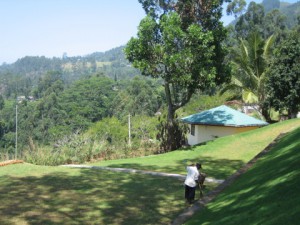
[[193, 129]]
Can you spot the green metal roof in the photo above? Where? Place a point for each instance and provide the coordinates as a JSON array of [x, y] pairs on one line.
[[223, 116]]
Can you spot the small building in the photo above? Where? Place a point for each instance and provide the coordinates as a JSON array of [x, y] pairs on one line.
[[218, 122]]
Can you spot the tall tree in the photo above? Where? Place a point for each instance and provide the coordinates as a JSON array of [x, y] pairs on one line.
[[250, 64], [251, 21], [1, 102], [275, 23], [140, 96], [236, 7], [183, 48], [283, 84]]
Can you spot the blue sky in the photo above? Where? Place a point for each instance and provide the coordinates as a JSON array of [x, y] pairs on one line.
[[77, 27]]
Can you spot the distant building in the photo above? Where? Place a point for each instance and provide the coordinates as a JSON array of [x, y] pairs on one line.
[[22, 98], [218, 122]]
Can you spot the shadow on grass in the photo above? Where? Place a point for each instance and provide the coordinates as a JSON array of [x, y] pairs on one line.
[[89, 197], [267, 194], [216, 168]]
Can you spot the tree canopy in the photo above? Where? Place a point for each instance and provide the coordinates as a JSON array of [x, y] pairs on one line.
[[183, 46], [283, 82]]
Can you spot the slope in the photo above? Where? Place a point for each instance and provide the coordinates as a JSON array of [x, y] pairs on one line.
[[267, 194]]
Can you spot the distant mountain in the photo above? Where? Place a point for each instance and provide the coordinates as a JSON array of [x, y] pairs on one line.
[[26, 72], [112, 63], [290, 10]]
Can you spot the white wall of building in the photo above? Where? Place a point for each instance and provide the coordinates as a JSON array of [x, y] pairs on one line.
[[205, 133]]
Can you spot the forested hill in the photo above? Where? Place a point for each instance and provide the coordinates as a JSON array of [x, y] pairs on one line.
[[290, 11], [112, 63]]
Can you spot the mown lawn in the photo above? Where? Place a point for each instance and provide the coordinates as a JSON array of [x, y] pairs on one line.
[[57, 195], [220, 158], [269, 193]]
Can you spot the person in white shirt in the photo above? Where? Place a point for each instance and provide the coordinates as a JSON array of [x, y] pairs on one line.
[[191, 182]]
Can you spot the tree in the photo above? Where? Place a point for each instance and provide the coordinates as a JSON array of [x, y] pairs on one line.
[[250, 63], [236, 7], [181, 54], [269, 5], [275, 23], [51, 82], [251, 21], [88, 100], [2, 103], [140, 96], [283, 84], [265, 22]]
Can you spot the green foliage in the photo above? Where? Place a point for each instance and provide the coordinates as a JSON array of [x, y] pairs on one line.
[[178, 55], [291, 11], [44, 156], [88, 100], [171, 129], [251, 21], [270, 5], [1, 102], [58, 195], [266, 194], [220, 158], [283, 84], [275, 23], [138, 96], [201, 102], [187, 51], [266, 23], [49, 83], [236, 7], [109, 130], [144, 129], [83, 192], [250, 63]]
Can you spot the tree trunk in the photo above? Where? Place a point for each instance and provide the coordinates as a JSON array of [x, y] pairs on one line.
[[171, 131], [292, 113], [266, 114]]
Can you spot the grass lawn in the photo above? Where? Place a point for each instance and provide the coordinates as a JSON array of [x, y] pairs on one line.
[[54, 195], [220, 158], [269, 193], [57, 195]]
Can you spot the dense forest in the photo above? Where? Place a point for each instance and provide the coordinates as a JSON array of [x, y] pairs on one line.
[[114, 104]]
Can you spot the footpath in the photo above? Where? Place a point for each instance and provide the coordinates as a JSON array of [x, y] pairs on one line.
[[201, 203], [126, 170]]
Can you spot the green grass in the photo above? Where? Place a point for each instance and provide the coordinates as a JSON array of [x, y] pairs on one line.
[[220, 158], [57, 195], [267, 194]]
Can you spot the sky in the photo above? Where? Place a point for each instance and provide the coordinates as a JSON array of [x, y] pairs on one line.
[[76, 27]]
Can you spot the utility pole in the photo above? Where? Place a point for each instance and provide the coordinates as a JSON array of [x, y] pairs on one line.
[[16, 144], [129, 131]]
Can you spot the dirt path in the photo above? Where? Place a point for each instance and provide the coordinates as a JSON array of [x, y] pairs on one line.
[[178, 176], [9, 162], [201, 203]]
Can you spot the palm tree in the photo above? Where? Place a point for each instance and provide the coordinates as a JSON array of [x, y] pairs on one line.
[[249, 64]]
